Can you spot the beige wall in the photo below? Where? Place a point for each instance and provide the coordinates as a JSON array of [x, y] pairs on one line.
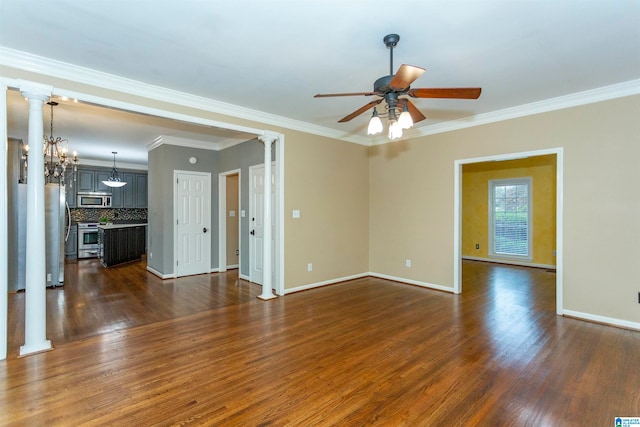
[[327, 180], [371, 213], [475, 204], [412, 200], [233, 205]]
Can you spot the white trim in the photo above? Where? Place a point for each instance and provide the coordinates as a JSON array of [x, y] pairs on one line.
[[194, 143], [325, 283], [233, 266], [4, 224], [243, 277], [213, 270], [160, 275], [604, 93], [279, 219], [602, 319], [109, 164], [509, 262], [222, 215], [49, 67], [413, 282], [457, 214]]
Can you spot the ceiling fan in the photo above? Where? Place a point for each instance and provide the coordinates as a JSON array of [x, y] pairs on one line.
[[393, 89]]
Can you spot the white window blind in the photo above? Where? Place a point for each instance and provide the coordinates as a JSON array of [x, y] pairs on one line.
[[510, 217]]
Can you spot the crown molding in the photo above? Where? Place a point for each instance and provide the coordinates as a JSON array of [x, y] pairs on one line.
[[53, 68], [58, 69], [106, 164], [605, 93]]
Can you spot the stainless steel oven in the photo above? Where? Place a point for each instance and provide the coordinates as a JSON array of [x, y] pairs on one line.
[[87, 239]]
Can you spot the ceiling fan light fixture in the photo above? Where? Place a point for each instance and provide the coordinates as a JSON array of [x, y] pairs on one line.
[[114, 179], [405, 121], [375, 124], [395, 131]]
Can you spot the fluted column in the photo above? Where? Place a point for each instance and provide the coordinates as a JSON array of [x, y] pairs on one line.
[[267, 292], [35, 279]]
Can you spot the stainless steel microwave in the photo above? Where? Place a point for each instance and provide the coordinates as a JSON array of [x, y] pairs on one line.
[[94, 200]]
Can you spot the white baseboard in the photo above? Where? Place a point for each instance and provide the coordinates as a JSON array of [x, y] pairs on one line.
[[502, 261], [160, 275], [244, 277], [325, 283], [413, 282], [602, 319], [233, 267], [215, 270]]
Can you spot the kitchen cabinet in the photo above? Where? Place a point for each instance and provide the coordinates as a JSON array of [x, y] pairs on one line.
[[71, 245], [141, 191], [120, 244], [86, 180], [90, 180], [132, 195]]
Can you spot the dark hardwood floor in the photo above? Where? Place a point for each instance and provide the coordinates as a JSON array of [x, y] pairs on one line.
[[132, 349]]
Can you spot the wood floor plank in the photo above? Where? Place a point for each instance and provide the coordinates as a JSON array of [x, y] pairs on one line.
[[134, 350]]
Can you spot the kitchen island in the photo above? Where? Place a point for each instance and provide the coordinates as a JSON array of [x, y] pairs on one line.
[[121, 242]]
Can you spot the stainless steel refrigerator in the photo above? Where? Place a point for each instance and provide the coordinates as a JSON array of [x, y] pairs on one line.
[[56, 231]]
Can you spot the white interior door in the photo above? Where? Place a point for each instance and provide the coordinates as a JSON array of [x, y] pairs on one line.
[[193, 223], [256, 222]]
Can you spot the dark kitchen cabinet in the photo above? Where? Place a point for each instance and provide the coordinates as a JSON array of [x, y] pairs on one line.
[[141, 191], [71, 245], [132, 195], [121, 244], [86, 180], [71, 192], [90, 180]]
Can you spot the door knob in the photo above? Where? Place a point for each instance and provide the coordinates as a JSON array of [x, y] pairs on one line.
[[204, 230], [253, 232]]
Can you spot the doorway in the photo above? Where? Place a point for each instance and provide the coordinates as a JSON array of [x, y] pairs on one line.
[[458, 226], [229, 219]]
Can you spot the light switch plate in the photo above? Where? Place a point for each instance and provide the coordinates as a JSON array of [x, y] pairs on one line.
[[232, 213], [242, 213], [296, 213]]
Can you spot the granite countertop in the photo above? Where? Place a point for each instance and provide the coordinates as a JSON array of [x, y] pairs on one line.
[[110, 225]]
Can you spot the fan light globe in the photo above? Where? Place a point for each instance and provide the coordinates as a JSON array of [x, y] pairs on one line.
[[395, 131], [375, 126], [405, 120]]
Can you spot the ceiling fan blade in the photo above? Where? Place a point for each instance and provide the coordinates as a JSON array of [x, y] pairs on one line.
[[406, 75], [454, 92], [326, 95], [416, 115], [360, 111]]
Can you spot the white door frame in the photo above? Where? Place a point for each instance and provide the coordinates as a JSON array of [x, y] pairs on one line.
[[175, 217], [222, 218], [457, 215]]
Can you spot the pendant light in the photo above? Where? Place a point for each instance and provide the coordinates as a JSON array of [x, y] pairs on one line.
[[114, 180]]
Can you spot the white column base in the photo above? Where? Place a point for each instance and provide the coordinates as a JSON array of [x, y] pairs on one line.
[[27, 350], [267, 296]]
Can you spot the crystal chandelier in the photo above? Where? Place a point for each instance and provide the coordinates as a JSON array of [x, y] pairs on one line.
[[56, 156]]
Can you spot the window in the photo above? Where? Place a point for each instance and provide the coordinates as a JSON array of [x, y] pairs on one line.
[[510, 218]]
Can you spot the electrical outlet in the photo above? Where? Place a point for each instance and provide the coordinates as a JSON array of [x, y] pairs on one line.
[[310, 267], [477, 245], [407, 263]]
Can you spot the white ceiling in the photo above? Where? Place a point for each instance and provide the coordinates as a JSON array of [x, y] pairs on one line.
[[273, 56]]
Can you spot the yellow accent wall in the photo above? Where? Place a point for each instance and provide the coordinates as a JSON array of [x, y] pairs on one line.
[[475, 204]]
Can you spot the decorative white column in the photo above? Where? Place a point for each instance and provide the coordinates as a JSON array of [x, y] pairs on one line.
[[35, 311], [267, 292]]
